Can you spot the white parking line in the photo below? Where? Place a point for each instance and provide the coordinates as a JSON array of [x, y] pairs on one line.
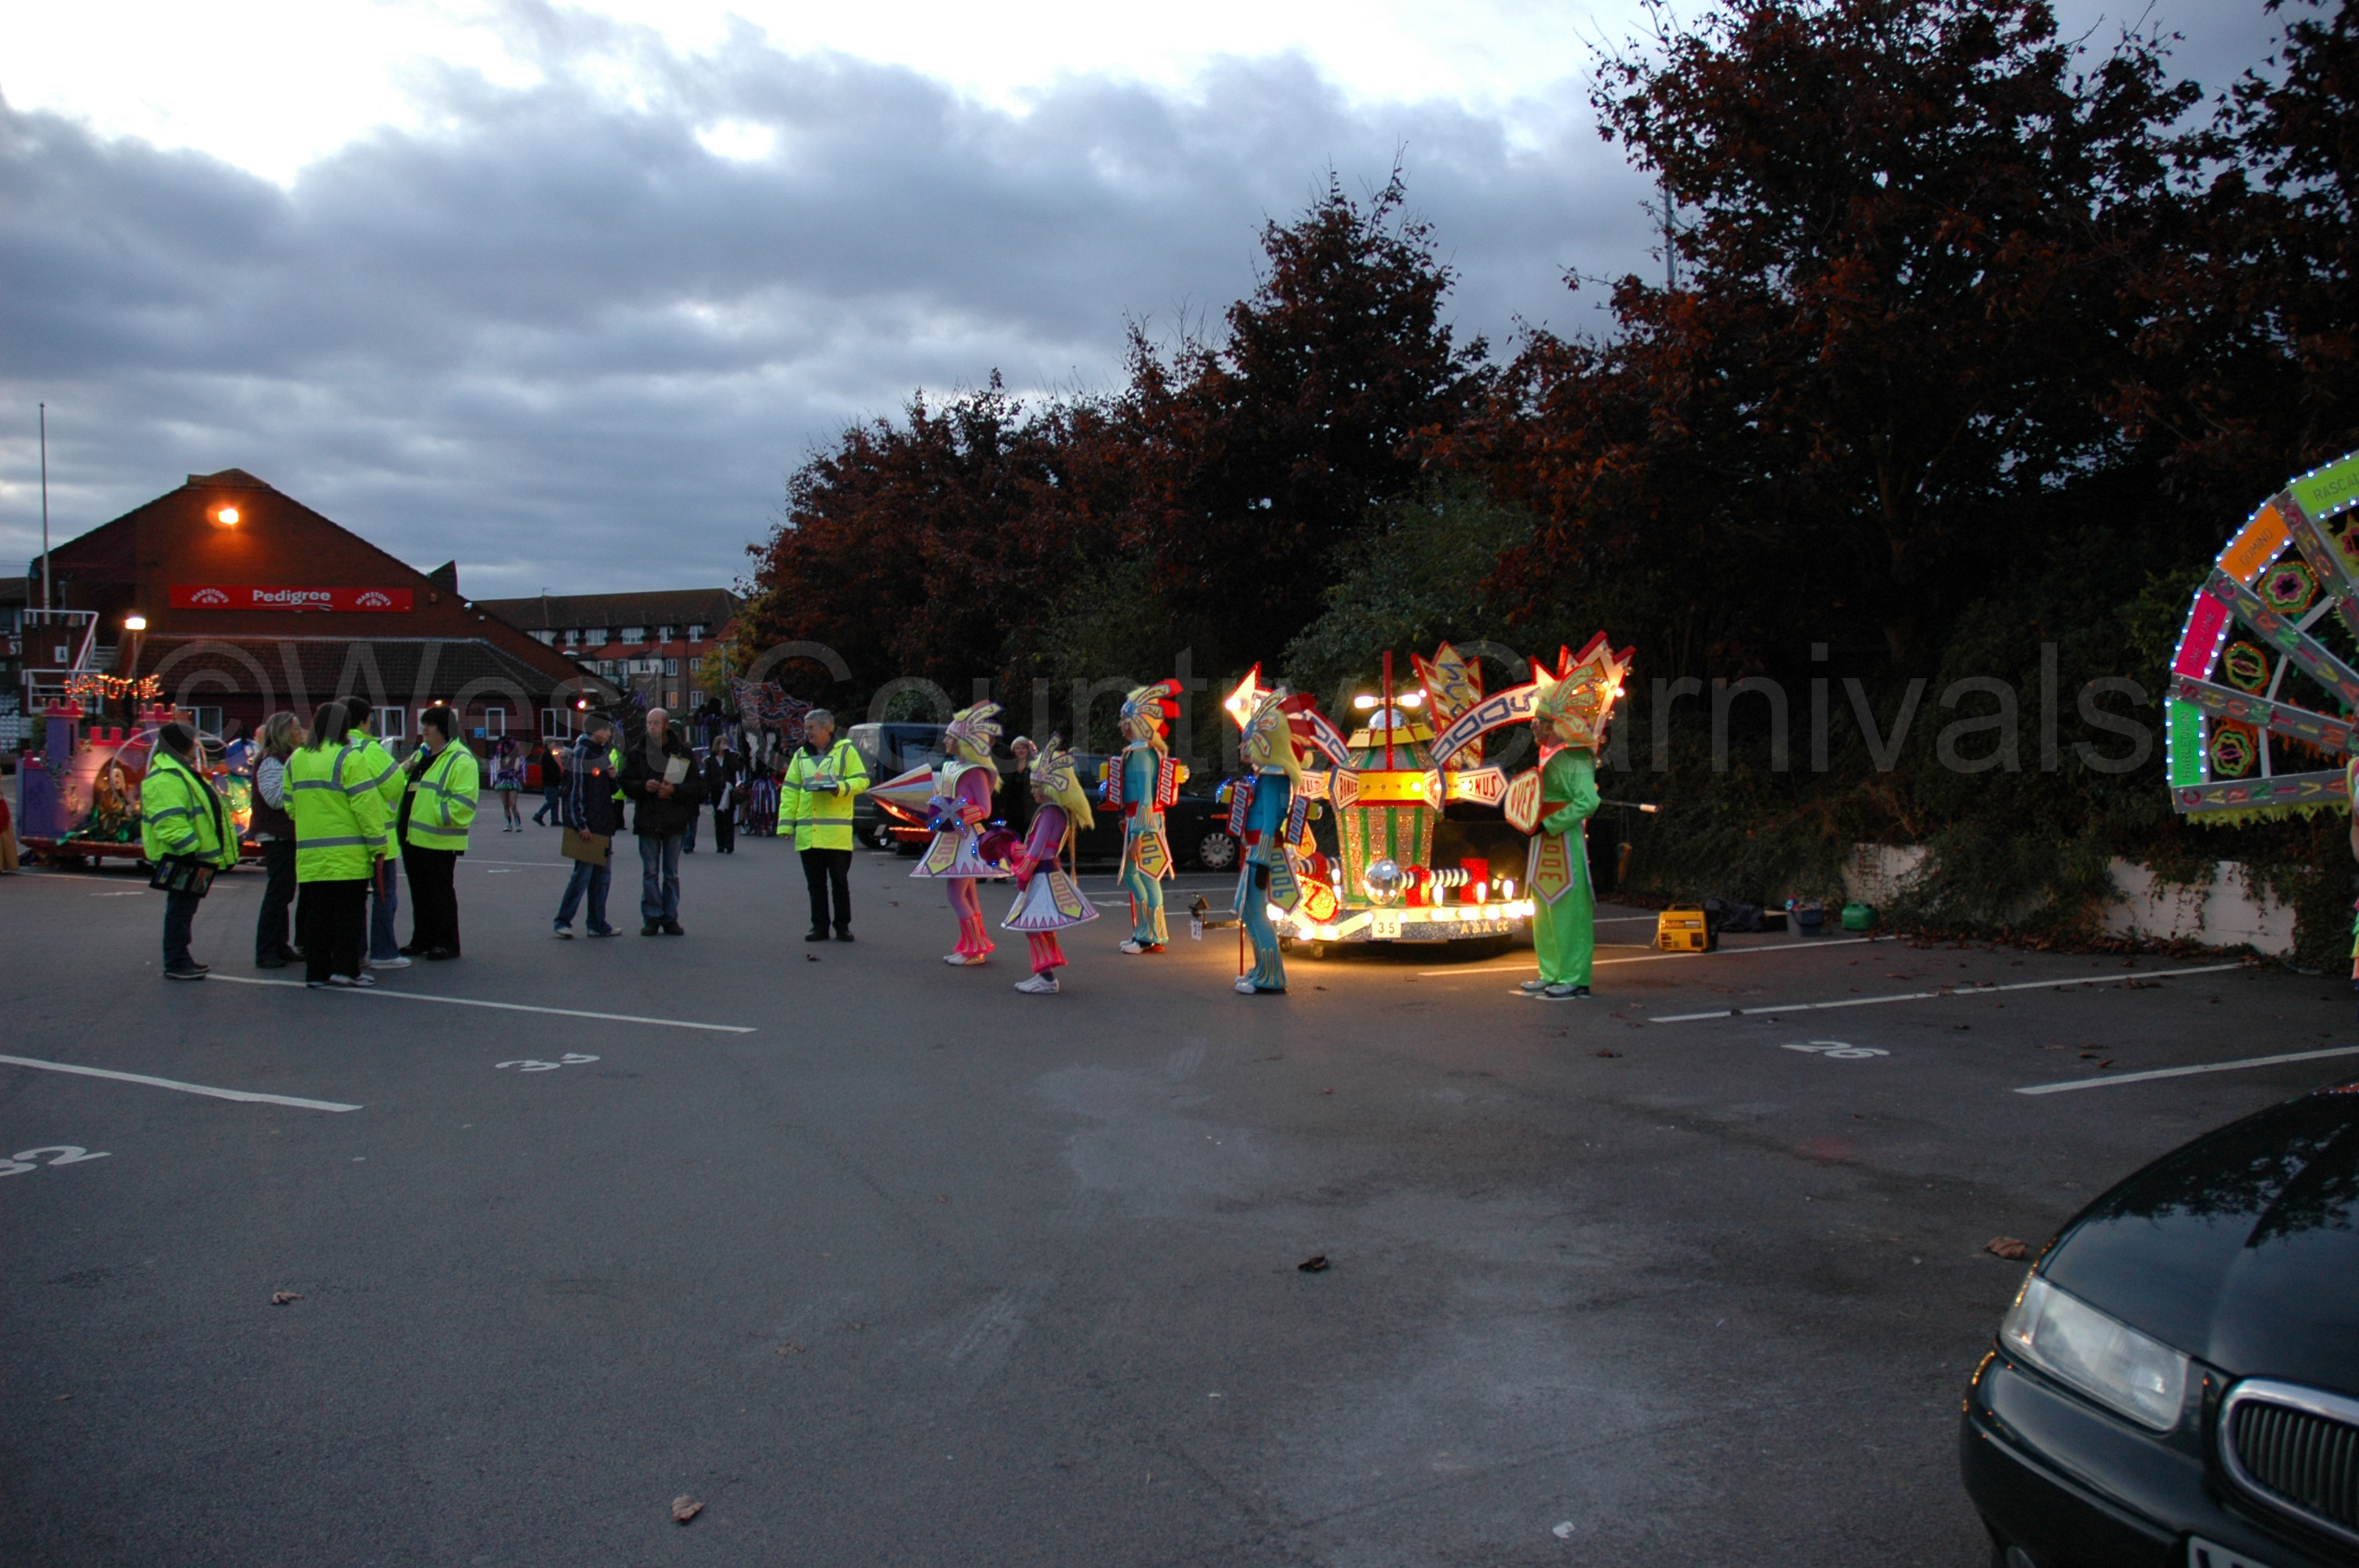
[[1929, 996], [1657, 958], [501, 1006], [2187, 1072], [246, 1094]]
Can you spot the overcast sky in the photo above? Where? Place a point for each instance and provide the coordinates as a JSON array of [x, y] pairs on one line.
[[564, 293]]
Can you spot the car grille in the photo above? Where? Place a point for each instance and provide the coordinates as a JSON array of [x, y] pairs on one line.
[[2298, 1448]]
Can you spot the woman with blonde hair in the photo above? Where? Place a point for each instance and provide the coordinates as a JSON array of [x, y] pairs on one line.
[[275, 742], [1050, 901]]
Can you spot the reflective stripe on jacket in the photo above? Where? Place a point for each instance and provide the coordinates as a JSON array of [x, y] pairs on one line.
[[180, 815], [442, 800], [339, 825], [822, 819], [374, 767]]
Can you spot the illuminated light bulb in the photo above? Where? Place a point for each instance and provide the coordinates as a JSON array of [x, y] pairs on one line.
[[1364, 701], [1413, 700], [1506, 887], [228, 516]]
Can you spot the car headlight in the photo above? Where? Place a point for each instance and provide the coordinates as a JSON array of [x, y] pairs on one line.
[[2106, 1359]]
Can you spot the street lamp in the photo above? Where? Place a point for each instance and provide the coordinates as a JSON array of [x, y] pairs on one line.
[[136, 624]]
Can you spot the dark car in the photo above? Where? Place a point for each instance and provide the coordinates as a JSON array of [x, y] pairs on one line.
[[2178, 1381], [889, 751]]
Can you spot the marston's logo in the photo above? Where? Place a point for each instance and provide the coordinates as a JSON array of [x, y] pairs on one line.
[[373, 599], [208, 596]]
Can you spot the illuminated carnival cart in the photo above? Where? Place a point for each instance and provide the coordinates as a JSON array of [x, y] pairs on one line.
[[2265, 682], [78, 799], [1414, 749]]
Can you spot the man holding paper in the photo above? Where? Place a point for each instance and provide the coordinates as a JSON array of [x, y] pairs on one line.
[[659, 774], [815, 802], [591, 816]]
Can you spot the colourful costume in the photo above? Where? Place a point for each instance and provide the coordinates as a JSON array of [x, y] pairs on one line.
[[1569, 710], [962, 800], [1144, 782], [1047, 900], [1268, 811]]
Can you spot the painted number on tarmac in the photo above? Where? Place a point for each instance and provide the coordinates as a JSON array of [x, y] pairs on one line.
[[569, 1059], [1838, 1049], [31, 1159]]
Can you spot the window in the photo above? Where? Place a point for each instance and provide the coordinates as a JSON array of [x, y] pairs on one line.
[[574, 636], [495, 721], [671, 667], [635, 633], [207, 720], [392, 723], [694, 663], [595, 636], [546, 639], [557, 722], [663, 633], [696, 629], [672, 699]]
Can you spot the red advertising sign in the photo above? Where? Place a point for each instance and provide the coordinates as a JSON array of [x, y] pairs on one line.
[[211, 596]]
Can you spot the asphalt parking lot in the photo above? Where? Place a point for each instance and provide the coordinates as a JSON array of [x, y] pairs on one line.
[[885, 1263]]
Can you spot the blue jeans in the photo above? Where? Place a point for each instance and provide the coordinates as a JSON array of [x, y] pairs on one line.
[[550, 805], [592, 879], [385, 903], [179, 914], [659, 878]]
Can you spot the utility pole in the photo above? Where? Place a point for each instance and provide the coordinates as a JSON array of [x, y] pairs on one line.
[[45, 509]]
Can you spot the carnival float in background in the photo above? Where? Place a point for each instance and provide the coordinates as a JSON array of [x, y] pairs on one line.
[[2265, 681], [78, 797]]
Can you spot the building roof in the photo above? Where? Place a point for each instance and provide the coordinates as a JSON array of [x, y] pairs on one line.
[[714, 607]]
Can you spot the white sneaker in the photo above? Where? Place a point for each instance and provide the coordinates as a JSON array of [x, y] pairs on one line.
[[1133, 945], [341, 980], [396, 962], [1038, 985], [365, 979], [962, 961], [1244, 985]]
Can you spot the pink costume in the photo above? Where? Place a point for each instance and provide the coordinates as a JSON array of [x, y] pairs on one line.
[[1048, 902], [961, 802]]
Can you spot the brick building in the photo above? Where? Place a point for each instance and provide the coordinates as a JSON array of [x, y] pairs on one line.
[[254, 602], [659, 642]]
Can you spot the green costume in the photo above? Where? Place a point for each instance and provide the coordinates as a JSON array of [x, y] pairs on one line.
[[1564, 919]]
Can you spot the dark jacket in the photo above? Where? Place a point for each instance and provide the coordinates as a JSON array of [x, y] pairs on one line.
[[590, 802], [718, 772], [661, 816]]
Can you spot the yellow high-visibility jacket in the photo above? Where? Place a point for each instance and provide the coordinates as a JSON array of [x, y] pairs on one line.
[[822, 818], [180, 815], [340, 815], [442, 799]]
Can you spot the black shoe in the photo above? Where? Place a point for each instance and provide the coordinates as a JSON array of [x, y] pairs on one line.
[[412, 950], [187, 972], [272, 962], [439, 954], [671, 928], [816, 933], [844, 934], [652, 928]]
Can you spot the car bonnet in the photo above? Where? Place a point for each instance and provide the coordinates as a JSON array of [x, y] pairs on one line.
[[2241, 1248]]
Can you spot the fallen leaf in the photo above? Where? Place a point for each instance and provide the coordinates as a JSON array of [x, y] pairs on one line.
[[685, 1508], [280, 1298], [1606, 1052], [1314, 1264], [810, 957], [2106, 1063], [2006, 1247]]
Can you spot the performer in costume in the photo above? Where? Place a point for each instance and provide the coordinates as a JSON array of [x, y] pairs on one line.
[[1144, 782], [962, 800], [1570, 712], [1047, 899], [1267, 811]]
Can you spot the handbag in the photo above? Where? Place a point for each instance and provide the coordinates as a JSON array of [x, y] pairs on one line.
[[590, 849], [182, 874]]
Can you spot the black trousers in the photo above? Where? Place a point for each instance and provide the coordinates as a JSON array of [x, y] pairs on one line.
[[724, 831], [278, 897], [821, 869], [332, 918], [433, 902]]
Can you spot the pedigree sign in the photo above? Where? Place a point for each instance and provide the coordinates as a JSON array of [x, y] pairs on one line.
[[208, 596]]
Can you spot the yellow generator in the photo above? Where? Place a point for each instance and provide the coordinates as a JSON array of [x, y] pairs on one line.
[[1682, 928]]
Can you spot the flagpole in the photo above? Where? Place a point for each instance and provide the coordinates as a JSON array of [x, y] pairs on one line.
[[45, 509]]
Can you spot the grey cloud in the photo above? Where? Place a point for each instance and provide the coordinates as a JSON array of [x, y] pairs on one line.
[[555, 337]]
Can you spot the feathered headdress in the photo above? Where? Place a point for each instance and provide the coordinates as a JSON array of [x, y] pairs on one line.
[[970, 731], [1576, 699], [1277, 730], [1054, 772], [1147, 712]]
